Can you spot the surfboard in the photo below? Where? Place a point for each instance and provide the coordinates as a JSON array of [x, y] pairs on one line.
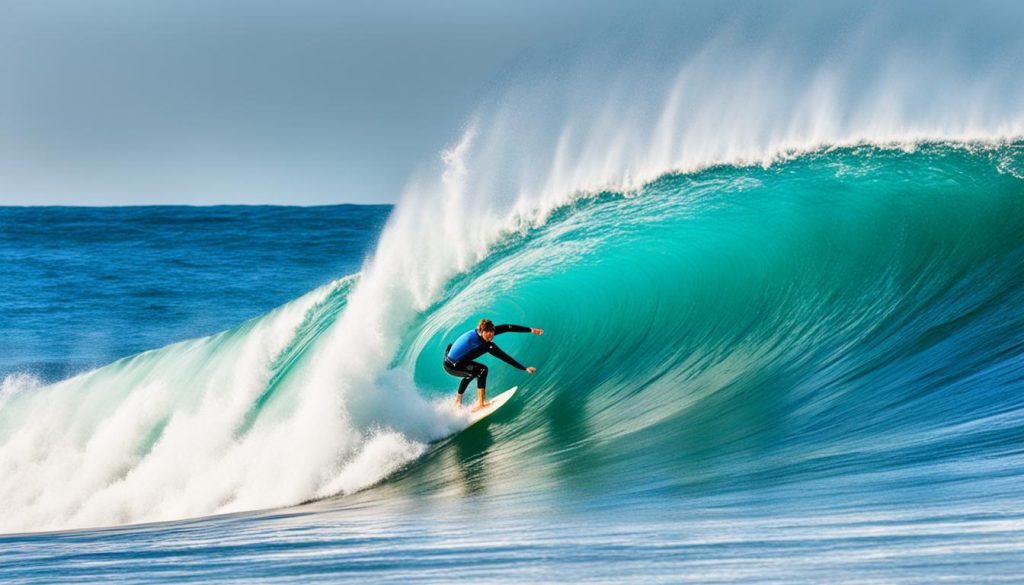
[[496, 403]]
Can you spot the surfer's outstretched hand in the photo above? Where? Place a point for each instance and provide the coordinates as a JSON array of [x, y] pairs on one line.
[[531, 370], [536, 331]]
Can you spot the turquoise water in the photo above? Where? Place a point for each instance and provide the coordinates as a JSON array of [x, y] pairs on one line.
[[805, 372]]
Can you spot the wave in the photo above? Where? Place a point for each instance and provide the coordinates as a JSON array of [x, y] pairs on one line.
[[767, 263], [848, 311]]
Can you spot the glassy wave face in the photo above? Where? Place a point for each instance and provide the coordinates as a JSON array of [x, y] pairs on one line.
[[851, 314], [844, 324]]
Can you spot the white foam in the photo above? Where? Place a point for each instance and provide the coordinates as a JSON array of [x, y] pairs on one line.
[[15, 384]]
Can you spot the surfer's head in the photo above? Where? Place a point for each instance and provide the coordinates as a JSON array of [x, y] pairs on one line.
[[486, 329]]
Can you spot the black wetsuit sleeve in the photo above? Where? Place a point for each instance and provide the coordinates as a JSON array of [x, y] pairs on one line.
[[499, 329], [496, 352]]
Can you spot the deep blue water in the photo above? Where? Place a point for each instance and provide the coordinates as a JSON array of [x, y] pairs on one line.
[[85, 286], [808, 372]]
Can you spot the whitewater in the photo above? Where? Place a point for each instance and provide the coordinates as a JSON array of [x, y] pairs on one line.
[[781, 297]]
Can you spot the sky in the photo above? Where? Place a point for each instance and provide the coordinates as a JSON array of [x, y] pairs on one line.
[[128, 102], [307, 102]]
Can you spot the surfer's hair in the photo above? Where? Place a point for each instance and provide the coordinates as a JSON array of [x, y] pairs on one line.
[[485, 325]]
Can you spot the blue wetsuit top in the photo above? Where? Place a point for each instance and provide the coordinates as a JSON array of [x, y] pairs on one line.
[[470, 346]]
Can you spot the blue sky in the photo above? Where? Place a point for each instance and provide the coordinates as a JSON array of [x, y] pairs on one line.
[[114, 102], [126, 102]]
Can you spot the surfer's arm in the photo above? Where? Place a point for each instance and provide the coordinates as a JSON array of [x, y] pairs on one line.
[[496, 352], [499, 329]]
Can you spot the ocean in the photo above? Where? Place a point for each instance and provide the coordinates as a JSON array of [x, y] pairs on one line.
[[798, 372]]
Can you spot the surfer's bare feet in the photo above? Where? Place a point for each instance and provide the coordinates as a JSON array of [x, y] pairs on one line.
[[480, 405], [458, 400]]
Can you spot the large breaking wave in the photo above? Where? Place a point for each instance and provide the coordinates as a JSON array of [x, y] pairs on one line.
[[762, 267]]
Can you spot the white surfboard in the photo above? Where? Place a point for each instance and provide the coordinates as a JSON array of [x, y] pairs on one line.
[[496, 403]]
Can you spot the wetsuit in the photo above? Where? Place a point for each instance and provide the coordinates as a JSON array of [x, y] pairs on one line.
[[458, 358]]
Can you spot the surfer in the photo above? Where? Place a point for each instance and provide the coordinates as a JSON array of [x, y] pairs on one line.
[[458, 358]]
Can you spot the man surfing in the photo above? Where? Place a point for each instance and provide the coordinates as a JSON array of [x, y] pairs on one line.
[[458, 358]]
